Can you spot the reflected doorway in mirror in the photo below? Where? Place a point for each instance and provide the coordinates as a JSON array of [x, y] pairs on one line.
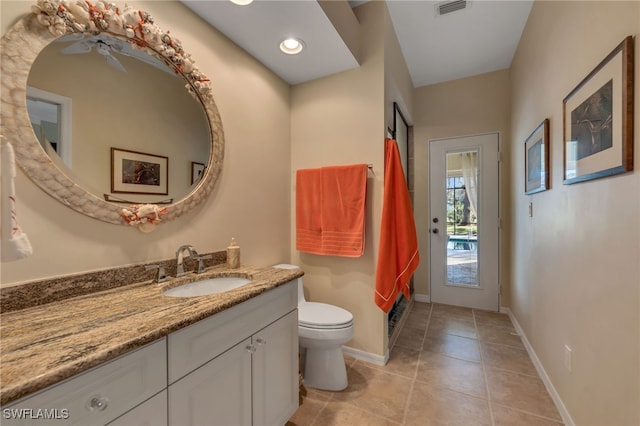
[[50, 115]]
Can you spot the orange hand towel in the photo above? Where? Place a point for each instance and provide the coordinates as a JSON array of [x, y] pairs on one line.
[[330, 210], [398, 256]]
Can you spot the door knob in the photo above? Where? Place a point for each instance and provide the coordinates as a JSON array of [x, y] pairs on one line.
[[435, 230], [435, 220]]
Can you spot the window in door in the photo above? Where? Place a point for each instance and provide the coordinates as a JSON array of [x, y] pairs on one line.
[[462, 219]]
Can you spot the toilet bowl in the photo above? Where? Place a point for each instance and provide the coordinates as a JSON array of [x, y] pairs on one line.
[[322, 330]]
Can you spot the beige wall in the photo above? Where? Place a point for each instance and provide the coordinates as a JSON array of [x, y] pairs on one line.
[[251, 201], [575, 274], [462, 107], [398, 86], [340, 120]]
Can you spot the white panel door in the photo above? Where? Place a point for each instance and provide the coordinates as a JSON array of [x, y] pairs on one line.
[[464, 221], [275, 372], [218, 393]]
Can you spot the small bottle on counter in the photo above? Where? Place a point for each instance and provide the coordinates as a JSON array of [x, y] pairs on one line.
[[233, 254]]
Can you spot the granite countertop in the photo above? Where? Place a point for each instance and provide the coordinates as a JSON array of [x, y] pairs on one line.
[[42, 345]]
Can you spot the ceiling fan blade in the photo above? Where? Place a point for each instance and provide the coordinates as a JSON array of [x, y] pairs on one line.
[[76, 48], [150, 60], [111, 60], [145, 57], [69, 38]]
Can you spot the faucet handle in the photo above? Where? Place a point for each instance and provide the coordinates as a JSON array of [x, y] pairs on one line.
[[201, 260], [162, 275]]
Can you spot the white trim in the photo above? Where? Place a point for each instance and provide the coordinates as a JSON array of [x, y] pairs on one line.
[[562, 409], [367, 356], [424, 298]]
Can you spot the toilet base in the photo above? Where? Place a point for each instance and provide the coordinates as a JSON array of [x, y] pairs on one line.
[[325, 369]]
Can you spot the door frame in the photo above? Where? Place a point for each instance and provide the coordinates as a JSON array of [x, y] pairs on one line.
[[498, 225]]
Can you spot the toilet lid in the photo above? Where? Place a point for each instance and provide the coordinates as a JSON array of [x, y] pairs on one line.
[[322, 315]]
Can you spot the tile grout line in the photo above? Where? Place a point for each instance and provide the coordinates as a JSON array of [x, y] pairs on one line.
[[530, 413], [484, 371], [415, 373], [317, 416], [356, 406]]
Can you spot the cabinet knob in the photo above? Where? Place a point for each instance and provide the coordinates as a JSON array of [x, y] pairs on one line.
[[261, 341], [251, 349], [98, 403]]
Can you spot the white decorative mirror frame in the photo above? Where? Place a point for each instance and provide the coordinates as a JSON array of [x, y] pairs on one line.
[[54, 18]]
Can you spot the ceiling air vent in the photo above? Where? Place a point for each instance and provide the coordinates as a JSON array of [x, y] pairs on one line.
[[451, 6]]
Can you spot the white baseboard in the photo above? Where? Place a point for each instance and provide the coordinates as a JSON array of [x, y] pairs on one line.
[[424, 298], [367, 356], [562, 409]]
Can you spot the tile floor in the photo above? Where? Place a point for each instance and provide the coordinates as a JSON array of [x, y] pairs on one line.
[[449, 366]]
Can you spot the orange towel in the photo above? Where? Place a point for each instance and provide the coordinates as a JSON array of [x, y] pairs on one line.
[[398, 256], [330, 208]]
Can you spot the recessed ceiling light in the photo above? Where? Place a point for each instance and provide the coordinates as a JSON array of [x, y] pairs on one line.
[[291, 46], [241, 2]]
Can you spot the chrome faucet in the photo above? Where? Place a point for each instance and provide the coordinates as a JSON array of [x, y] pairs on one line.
[[179, 266], [161, 276]]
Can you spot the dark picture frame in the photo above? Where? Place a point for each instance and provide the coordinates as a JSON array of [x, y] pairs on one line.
[[536, 159], [134, 172], [197, 170], [598, 119]]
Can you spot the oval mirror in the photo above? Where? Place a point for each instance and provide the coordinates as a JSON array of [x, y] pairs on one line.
[[136, 121]]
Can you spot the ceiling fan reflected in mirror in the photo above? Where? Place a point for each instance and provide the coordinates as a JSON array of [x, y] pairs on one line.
[[107, 46], [102, 45]]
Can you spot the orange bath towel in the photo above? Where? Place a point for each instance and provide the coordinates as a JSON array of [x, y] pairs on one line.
[[398, 256], [330, 210]]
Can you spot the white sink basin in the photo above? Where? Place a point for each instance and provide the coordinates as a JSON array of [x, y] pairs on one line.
[[208, 286]]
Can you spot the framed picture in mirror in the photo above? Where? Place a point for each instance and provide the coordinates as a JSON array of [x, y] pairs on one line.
[[135, 172], [197, 170]]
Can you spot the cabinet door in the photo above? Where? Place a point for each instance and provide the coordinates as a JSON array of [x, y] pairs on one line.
[[218, 393], [152, 412], [275, 372]]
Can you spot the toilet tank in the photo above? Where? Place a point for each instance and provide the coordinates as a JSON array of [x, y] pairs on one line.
[[299, 280]]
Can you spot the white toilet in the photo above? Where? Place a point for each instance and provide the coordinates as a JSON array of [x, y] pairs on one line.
[[322, 330]]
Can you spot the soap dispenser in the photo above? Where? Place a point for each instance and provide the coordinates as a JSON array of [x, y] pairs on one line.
[[233, 254]]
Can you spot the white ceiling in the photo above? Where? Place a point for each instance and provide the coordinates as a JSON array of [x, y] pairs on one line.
[[481, 38]]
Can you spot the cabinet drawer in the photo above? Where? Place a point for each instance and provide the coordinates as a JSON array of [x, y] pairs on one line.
[[150, 413], [97, 396], [195, 345]]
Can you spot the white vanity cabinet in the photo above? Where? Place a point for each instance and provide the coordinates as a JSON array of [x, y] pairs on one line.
[[99, 395], [239, 367]]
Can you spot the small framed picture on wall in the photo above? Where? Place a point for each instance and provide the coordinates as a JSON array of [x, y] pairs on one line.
[[536, 159]]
